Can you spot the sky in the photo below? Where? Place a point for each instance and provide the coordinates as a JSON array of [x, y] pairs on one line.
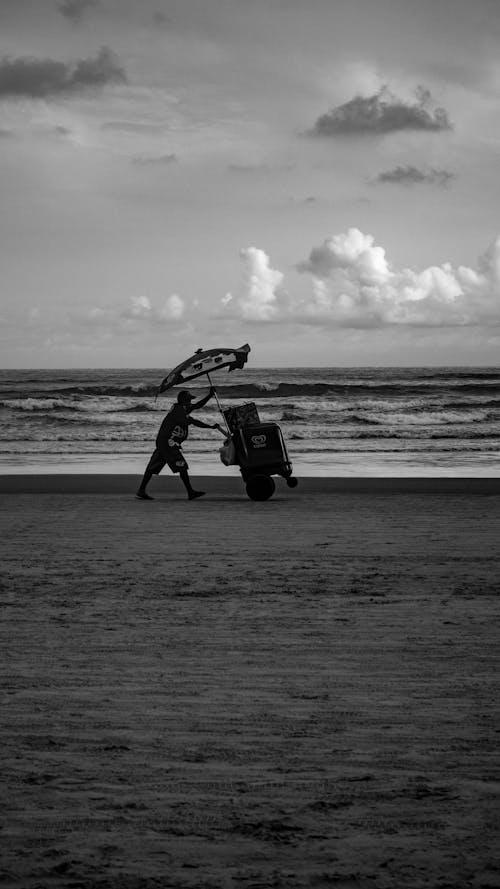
[[320, 180]]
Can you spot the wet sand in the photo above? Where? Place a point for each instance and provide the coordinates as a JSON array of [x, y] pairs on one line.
[[298, 693]]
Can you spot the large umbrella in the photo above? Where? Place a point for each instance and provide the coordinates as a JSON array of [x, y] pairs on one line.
[[203, 362]]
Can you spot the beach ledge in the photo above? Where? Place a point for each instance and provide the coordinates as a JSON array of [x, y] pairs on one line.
[[296, 694], [102, 483]]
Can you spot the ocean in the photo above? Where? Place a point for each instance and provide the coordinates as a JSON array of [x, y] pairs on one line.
[[336, 421]]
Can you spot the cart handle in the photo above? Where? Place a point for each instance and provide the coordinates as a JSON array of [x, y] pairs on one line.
[[218, 403]]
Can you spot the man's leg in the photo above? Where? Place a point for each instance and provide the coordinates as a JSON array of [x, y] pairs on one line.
[[154, 466], [192, 494], [141, 490]]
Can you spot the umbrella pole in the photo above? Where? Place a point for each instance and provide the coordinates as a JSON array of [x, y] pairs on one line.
[[218, 402]]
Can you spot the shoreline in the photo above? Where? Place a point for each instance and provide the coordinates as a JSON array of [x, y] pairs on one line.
[[126, 483]]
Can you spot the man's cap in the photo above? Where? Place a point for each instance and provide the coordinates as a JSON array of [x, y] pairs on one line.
[[184, 396]]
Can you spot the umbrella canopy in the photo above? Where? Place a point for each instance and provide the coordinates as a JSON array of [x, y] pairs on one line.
[[203, 362]]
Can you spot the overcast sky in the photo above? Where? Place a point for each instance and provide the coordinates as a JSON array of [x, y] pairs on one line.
[[319, 179]]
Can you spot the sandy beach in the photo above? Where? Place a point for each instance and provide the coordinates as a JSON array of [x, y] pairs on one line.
[[297, 693]]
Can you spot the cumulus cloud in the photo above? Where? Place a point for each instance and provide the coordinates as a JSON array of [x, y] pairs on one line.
[[411, 175], [174, 309], [353, 250], [262, 296], [74, 10], [382, 113], [139, 312], [354, 285], [140, 309], [39, 78]]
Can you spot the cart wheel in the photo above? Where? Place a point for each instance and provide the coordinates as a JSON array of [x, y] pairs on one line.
[[292, 482], [260, 487]]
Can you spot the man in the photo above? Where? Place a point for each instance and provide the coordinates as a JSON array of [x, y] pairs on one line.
[[173, 431]]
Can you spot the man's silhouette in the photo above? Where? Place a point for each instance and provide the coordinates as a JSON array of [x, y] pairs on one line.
[[173, 431]]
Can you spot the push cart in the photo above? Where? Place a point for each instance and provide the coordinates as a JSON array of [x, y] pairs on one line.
[[258, 449]]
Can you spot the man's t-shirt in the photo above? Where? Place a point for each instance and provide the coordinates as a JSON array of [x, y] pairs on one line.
[[174, 428]]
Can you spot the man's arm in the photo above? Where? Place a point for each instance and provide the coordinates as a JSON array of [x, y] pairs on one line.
[[196, 405], [202, 425]]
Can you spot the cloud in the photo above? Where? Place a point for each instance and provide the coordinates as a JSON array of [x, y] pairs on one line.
[[249, 169], [410, 175], [174, 309], [355, 286], [381, 113], [141, 309], [61, 131], [262, 297], [139, 312], [74, 10], [352, 250], [133, 126], [161, 19], [39, 78], [160, 160]]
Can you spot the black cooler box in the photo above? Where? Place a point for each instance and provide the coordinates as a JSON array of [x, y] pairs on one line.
[[260, 445]]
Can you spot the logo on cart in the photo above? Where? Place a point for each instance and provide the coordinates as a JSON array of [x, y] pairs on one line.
[[259, 441]]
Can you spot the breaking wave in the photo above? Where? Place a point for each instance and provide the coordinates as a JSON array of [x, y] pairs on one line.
[[346, 390], [338, 411]]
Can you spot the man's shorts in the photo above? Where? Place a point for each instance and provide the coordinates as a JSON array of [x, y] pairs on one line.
[[171, 456]]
